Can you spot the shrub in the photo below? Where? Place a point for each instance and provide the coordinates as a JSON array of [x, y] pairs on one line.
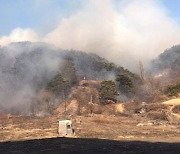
[[172, 90]]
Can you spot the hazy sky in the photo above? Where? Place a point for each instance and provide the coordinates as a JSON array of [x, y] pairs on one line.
[[44, 15], [110, 28]]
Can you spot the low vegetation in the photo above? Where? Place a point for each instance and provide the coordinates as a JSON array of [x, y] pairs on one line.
[[173, 90]]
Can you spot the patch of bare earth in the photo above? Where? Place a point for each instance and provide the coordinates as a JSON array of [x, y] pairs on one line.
[[132, 127]]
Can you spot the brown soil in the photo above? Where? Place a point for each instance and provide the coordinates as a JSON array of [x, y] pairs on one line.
[[132, 127], [117, 125], [120, 131]]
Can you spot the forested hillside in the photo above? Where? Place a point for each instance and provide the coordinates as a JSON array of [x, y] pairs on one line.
[[169, 59], [28, 68]]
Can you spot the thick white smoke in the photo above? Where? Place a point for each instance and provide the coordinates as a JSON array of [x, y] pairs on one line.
[[24, 69], [18, 35], [125, 33]]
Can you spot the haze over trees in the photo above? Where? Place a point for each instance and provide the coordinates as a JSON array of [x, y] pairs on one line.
[[38, 73], [170, 58]]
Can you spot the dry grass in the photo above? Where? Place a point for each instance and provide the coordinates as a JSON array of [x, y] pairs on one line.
[[155, 107], [103, 120], [154, 115], [94, 126], [14, 127], [119, 108], [176, 109], [172, 102]]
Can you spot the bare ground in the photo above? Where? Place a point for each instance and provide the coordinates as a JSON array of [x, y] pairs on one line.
[[131, 127], [91, 132], [85, 145]]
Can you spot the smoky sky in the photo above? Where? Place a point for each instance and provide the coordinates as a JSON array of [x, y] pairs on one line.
[[123, 32]]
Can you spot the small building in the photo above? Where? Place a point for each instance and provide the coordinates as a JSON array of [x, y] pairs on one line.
[[65, 128]]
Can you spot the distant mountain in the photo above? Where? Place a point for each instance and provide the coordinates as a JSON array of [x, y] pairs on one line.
[[28, 59], [166, 66], [169, 59]]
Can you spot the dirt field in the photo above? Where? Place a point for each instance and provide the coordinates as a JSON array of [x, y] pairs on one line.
[[121, 131]]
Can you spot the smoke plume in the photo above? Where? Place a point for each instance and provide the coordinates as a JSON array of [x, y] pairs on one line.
[[24, 69], [121, 31]]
